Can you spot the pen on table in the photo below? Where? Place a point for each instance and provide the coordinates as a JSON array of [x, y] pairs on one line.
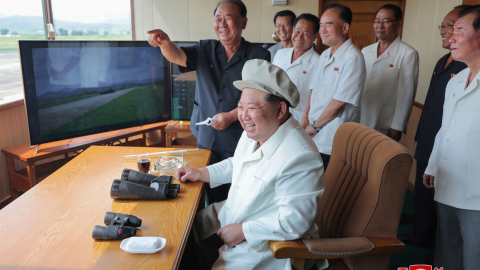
[[166, 152]]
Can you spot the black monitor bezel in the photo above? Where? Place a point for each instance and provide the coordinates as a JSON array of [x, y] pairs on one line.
[[190, 43], [35, 138]]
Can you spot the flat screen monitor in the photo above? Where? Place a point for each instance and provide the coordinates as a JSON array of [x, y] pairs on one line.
[[183, 86], [78, 88]]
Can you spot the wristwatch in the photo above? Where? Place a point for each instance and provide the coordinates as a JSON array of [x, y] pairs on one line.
[[314, 127]]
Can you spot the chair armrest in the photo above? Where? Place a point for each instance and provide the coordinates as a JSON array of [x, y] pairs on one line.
[[335, 248]]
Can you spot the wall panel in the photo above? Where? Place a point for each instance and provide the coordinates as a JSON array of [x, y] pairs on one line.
[[408, 138], [172, 17], [192, 20], [420, 31], [253, 32], [14, 132], [144, 10], [201, 20]]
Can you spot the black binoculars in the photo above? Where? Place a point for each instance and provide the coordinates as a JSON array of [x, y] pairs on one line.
[[119, 226], [143, 186]]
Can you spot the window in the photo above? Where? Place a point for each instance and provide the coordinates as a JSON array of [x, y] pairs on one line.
[[84, 20], [92, 19], [20, 19]]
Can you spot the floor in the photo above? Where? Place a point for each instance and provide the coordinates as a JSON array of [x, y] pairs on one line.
[[412, 254]]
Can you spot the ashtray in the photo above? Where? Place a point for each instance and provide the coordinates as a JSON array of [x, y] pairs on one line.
[[168, 163]]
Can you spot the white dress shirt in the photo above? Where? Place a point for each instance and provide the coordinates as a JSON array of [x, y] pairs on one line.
[[390, 86], [339, 77], [301, 73], [455, 159], [274, 194], [274, 49]]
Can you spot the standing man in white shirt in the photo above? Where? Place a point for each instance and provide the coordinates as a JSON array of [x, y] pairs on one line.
[[300, 61], [392, 76], [338, 83], [454, 165]]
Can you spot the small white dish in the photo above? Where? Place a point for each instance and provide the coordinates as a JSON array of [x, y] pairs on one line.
[[124, 245]]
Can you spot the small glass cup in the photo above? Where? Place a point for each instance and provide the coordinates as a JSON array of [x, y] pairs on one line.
[[143, 162]]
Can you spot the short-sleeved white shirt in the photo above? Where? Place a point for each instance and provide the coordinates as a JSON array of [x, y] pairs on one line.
[[301, 73], [339, 77]]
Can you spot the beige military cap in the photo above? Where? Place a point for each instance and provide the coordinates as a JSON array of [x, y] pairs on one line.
[[264, 76]]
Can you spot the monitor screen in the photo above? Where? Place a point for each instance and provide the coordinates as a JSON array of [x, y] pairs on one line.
[[78, 88]]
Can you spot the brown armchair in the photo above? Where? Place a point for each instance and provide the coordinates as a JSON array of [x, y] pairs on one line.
[[359, 212]]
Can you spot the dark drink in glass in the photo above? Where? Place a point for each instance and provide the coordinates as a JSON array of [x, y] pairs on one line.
[[143, 162], [143, 165]]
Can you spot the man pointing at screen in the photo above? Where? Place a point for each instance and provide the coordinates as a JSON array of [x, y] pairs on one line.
[[218, 64]]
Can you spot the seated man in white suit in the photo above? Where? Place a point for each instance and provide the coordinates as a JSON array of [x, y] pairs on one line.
[[276, 175]]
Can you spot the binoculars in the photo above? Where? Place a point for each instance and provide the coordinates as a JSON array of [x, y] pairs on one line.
[[119, 226], [143, 186]]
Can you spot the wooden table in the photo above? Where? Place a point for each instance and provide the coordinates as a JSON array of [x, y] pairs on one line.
[[50, 226], [26, 178], [171, 131]]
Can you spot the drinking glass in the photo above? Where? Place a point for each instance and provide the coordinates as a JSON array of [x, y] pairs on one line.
[[143, 162]]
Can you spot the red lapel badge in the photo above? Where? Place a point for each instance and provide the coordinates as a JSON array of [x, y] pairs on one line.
[[453, 75], [391, 65], [335, 69], [304, 72]]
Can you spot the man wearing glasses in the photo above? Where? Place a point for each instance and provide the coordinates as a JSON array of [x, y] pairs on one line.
[[425, 219], [392, 76], [283, 22], [338, 82], [454, 165], [300, 61]]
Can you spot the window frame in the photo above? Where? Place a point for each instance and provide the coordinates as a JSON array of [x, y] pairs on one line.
[[14, 99]]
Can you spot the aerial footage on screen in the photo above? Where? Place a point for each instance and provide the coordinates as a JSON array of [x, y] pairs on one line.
[[83, 88]]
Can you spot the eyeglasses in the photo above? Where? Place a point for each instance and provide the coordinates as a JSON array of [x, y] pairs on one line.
[[444, 27], [279, 26], [383, 22]]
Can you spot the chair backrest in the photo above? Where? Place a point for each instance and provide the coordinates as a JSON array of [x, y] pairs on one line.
[[365, 184]]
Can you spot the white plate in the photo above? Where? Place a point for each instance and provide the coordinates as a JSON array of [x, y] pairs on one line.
[[124, 243]]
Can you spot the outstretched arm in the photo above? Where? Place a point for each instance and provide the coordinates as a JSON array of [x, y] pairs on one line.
[[158, 38]]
